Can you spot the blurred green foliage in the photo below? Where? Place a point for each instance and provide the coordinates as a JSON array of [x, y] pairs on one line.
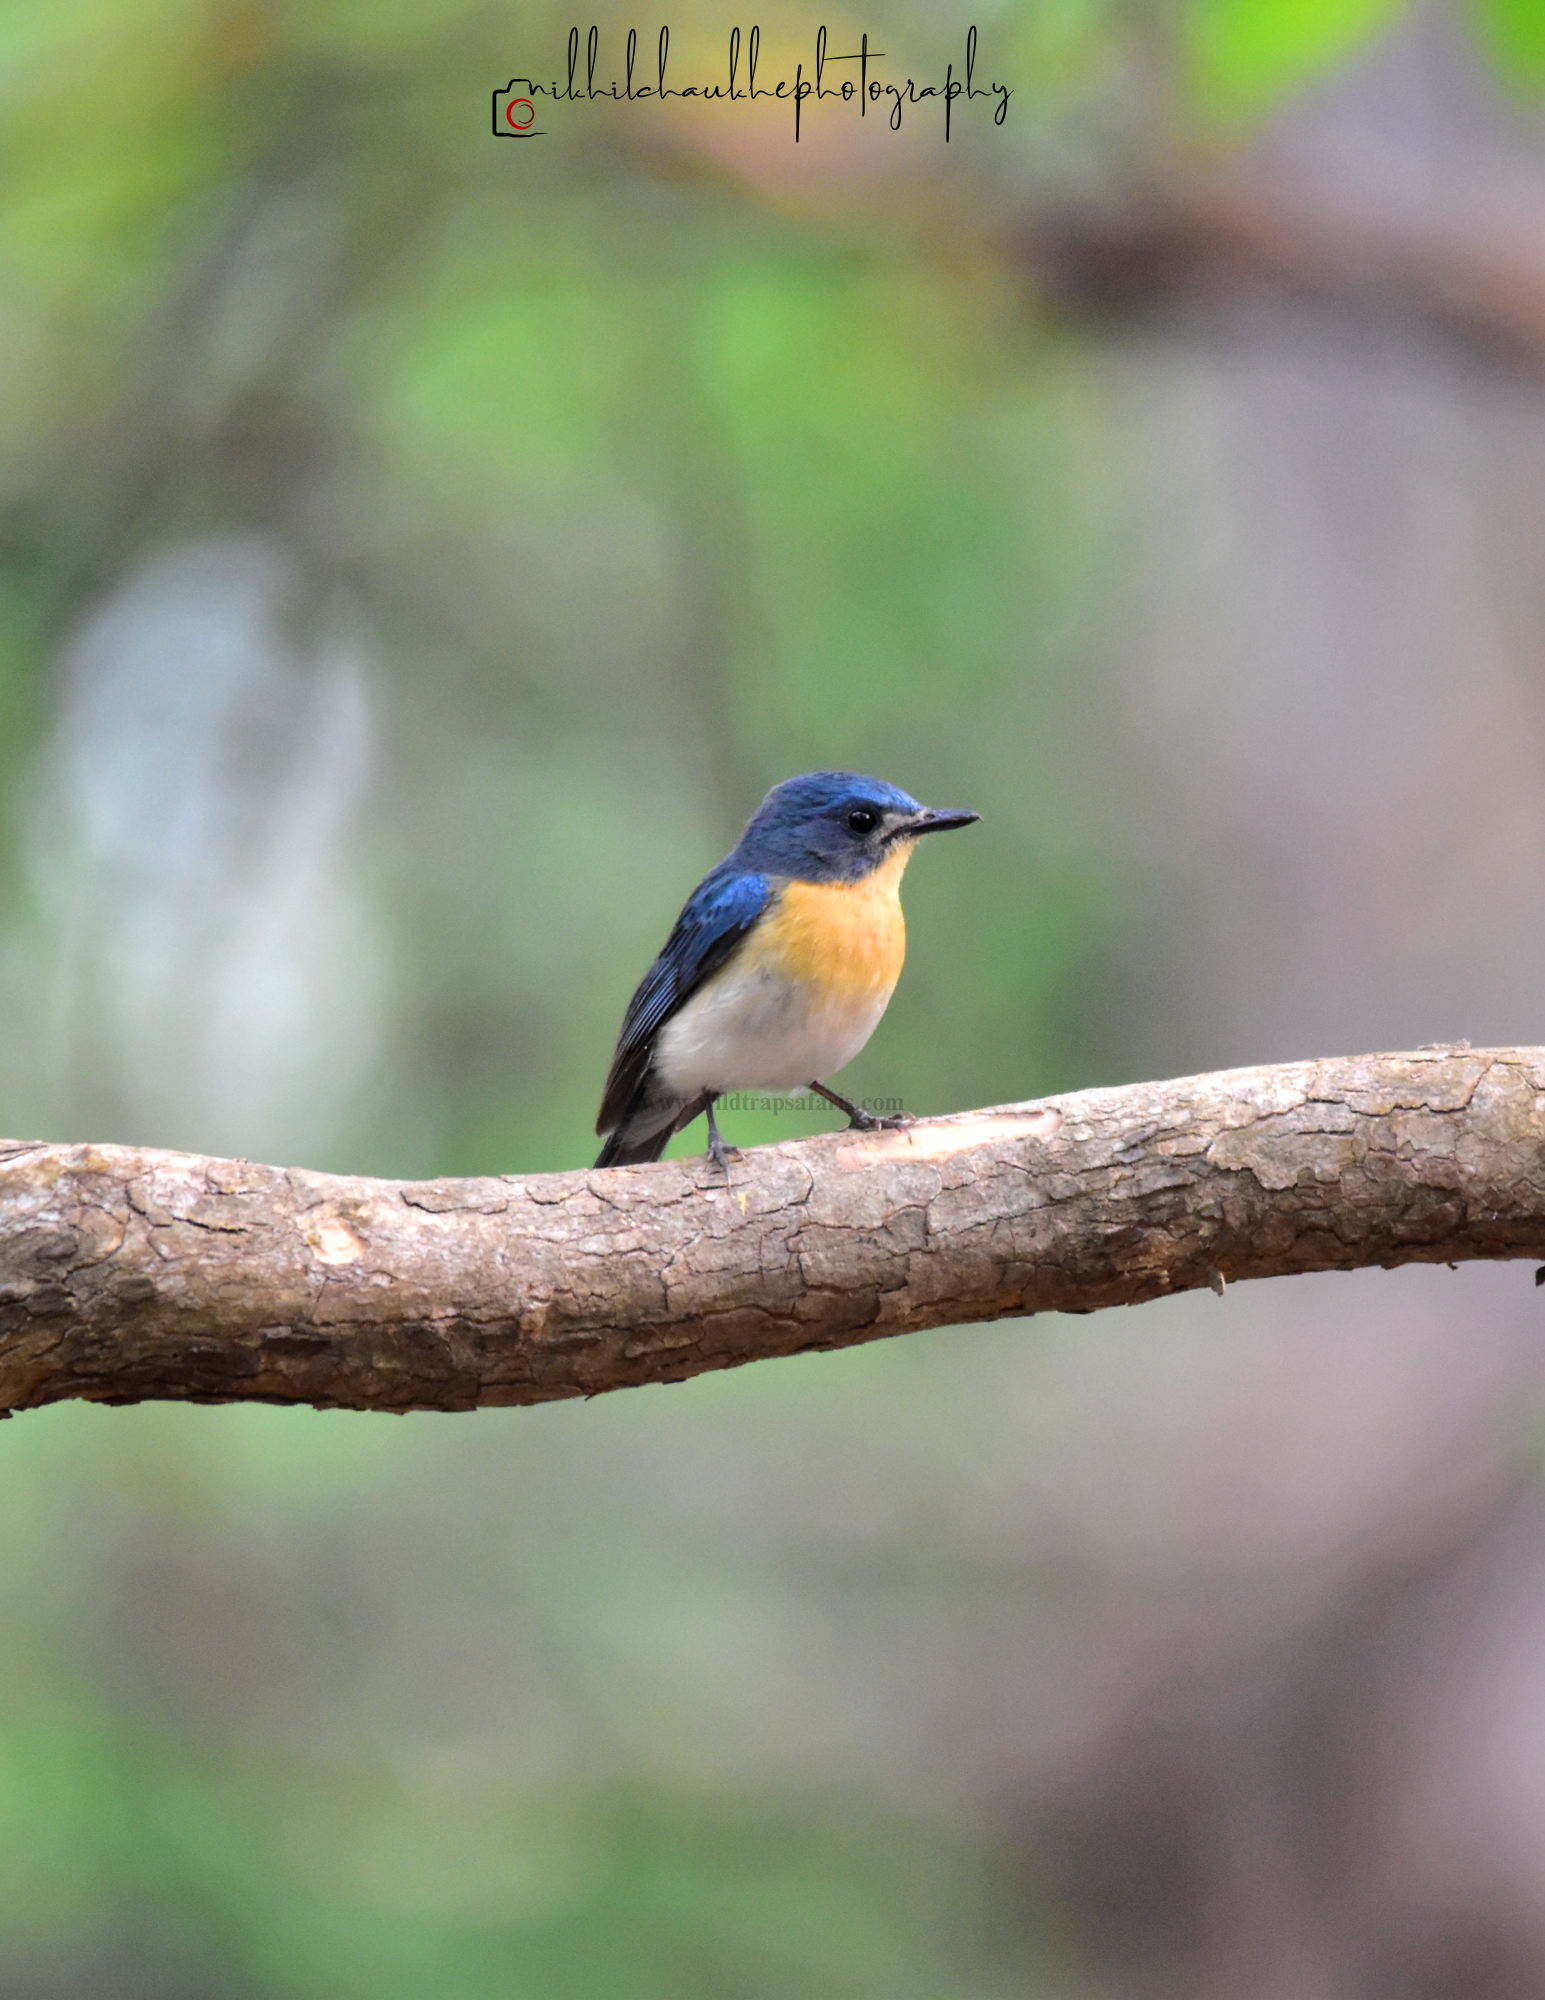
[[1244, 54], [291, 1722], [1515, 33], [233, 1876]]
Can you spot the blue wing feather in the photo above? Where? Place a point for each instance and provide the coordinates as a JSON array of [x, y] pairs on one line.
[[719, 912]]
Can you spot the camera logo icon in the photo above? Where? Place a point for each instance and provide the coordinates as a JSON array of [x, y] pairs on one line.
[[515, 110]]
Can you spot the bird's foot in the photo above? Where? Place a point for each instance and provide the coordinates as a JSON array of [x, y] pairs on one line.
[[718, 1152], [860, 1120], [873, 1121]]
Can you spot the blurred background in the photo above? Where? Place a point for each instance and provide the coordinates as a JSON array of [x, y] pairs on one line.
[[418, 553]]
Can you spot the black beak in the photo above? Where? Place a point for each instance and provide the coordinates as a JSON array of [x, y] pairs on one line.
[[929, 821]]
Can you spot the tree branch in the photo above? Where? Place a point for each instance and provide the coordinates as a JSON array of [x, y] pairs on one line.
[[1478, 274], [129, 1274]]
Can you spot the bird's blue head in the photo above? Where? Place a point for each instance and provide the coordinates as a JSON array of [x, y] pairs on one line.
[[834, 826]]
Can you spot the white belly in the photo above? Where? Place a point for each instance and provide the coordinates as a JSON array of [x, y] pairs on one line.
[[750, 1029]]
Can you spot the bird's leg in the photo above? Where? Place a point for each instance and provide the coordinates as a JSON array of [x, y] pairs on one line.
[[863, 1121], [718, 1152]]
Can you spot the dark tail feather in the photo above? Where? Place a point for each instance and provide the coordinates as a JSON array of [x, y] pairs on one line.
[[629, 1146], [620, 1151]]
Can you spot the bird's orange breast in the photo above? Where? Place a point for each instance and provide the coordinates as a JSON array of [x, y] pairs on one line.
[[846, 939]]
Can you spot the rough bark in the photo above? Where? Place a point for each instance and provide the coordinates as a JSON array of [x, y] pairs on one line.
[[128, 1274]]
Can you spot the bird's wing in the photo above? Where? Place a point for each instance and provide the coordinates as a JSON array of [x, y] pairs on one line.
[[719, 913]]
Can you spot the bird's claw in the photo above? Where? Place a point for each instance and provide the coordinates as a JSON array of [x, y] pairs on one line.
[[872, 1121]]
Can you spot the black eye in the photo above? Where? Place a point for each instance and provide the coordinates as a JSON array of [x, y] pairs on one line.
[[862, 820]]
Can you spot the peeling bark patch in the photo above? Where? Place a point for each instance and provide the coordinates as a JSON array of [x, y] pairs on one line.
[[334, 1242], [937, 1139]]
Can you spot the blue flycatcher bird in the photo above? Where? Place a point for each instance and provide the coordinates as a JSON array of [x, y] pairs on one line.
[[779, 967]]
